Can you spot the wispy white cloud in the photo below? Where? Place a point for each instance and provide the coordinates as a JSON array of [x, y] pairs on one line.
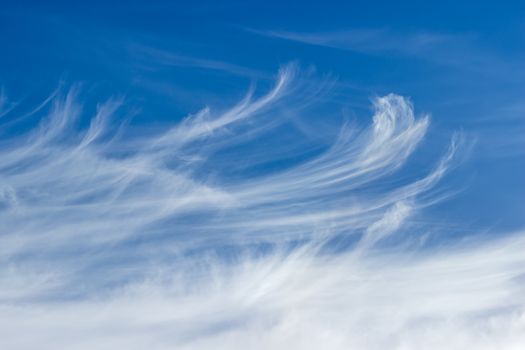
[[112, 240], [369, 40], [5, 106], [456, 298], [443, 48], [150, 56]]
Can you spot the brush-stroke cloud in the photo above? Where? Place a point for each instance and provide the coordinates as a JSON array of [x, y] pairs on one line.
[[111, 240]]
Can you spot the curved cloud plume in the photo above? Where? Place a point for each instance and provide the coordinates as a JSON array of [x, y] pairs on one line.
[[111, 240]]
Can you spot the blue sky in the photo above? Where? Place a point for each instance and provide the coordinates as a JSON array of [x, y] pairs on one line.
[[150, 148]]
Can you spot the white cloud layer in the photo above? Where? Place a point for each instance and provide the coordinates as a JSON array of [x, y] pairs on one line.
[[111, 241]]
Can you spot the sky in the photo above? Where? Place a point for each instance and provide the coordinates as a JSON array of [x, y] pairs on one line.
[[255, 175]]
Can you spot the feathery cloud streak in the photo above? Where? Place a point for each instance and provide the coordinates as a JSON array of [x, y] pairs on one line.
[[122, 241]]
